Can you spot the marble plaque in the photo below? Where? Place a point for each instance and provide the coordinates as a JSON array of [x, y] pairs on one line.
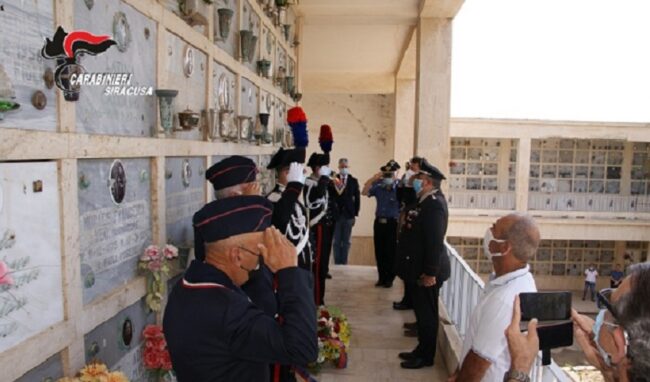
[[49, 371], [24, 25], [30, 245], [98, 113], [112, 236], [191, 90], [107, 341], [185, 194], [249, 99], [230, 44]]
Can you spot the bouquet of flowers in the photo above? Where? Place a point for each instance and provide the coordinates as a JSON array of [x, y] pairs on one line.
[[156, 356], [154, 263], [333, 338], [96, 372]]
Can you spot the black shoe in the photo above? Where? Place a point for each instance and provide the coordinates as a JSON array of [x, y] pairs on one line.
[[407, 355], [412, 333], [410, 325], [379, 283], [387, 284], [328, 276], [401, 306], [416, 363]]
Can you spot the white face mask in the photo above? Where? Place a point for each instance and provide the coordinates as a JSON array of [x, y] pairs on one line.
[[489, 237], [409, 174]]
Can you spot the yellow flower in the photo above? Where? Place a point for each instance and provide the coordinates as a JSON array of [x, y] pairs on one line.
[[117, 376], [94, 372], [67, 379]]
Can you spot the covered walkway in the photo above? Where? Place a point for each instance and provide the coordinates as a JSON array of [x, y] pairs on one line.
[[376, 329]]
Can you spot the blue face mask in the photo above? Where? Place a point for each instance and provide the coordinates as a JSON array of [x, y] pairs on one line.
[[387, 181], [417, 185], [598, 325], [345, 171]]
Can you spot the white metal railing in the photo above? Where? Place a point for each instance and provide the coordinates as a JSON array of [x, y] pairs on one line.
[[481, 199], [564, 201], [461, 293]]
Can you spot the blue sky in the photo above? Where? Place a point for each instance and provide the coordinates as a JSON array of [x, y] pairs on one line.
[[585, 60]]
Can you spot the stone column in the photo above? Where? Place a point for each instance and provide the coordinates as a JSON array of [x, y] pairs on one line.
[[404, 119], [523, 174], [433, 89]]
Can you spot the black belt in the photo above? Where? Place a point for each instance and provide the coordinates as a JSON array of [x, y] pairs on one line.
[[385, 220]]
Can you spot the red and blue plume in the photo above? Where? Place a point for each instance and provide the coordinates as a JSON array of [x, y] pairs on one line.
[[325, 138], [297, 120]]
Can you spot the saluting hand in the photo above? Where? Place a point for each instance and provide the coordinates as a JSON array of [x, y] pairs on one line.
[[278, 252]]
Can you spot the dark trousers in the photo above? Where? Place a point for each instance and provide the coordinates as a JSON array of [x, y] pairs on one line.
[[406, 298], [592, 289], [342, 237], [321, 242], [385, 238], [425, 305]]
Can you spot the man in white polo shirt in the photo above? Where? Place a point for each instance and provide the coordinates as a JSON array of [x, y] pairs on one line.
[[510, 243]]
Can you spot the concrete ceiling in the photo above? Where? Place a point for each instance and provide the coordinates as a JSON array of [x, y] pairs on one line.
[[359, 46], [354, 46]]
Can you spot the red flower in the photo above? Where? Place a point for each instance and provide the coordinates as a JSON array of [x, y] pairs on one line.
[[152, 331], [152, 359], [166, 361]]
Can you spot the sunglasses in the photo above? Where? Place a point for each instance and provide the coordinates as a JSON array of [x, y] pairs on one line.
[[604, 301]]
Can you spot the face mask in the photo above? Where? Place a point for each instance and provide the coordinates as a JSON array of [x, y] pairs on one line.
[[486, 244], [417, 185], [345, 171], [600, 320], [254, 271], [387, 181]]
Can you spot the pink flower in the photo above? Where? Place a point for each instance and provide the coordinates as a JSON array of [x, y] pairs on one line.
[[151, 253], [151, 359], [5, 276], [170, 252]]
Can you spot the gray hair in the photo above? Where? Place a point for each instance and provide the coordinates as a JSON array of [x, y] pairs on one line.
[[634, 316], [229, 191], [343, 161], [523, 236]]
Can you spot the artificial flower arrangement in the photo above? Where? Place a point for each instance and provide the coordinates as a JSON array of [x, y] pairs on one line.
[[96, 372], [154, 262], [333, 338], [156, 356]]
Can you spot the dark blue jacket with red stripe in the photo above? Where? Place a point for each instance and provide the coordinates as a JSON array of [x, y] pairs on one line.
[[215, 333]]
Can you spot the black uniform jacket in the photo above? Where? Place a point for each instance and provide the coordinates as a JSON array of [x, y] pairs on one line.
[[317, 200], [290, 217], [421, 241], [214, 332]]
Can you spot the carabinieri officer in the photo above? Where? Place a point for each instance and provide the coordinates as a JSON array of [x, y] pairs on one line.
[[422, 261], [213, 331]]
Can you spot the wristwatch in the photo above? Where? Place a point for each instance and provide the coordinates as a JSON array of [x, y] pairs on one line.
[[516, 375]]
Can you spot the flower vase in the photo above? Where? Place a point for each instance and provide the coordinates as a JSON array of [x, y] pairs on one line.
[[169, 376], [155, 290]]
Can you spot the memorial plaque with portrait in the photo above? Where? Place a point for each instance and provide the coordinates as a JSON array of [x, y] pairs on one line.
[[118, 341], [185, 194], [114, 222]]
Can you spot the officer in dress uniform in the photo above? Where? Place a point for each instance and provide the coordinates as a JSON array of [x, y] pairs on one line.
[[235, 176], [321, 222], [422, 261], [406, 197], [289, 214], [213, 331]]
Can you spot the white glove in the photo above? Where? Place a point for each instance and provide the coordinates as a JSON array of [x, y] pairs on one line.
[[325, 171], [296, 173]]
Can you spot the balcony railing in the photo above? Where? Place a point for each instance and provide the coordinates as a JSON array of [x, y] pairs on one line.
[[481, 199], [588, 202], [461, 293]]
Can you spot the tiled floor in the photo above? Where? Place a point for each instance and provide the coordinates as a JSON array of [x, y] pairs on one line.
[[376, 329]]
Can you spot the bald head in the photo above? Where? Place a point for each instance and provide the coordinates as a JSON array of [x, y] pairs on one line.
[[521, 232]]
